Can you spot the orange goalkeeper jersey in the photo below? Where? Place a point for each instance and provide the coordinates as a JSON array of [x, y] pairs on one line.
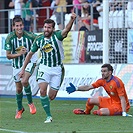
[[115, 88]]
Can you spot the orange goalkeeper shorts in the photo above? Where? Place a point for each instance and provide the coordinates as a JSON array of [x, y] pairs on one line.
[[115, 109]]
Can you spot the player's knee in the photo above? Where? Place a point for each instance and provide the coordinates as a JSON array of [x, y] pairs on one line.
[[104, 111], [24, 82], [93, 101], [52, 97], [43, 92], [88, 101], [52, 93], [19, 90]]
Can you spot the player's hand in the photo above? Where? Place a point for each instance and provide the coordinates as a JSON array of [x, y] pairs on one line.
[[21, 50], [21, 74], [73, 16], [126, 115], [71, 88]]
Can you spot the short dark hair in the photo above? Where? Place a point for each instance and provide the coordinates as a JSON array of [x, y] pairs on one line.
[[50, 21], [17, 19], [110, 68]]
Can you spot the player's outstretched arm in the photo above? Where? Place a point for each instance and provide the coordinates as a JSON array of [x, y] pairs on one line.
[[72, 88]]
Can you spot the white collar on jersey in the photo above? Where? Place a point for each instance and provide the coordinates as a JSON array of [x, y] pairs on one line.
[[19, 39]]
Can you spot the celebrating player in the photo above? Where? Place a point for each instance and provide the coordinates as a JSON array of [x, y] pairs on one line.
[[116, 104], [17, 45], [51, 67]]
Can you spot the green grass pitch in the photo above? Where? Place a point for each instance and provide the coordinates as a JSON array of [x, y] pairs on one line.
[[64, 121]]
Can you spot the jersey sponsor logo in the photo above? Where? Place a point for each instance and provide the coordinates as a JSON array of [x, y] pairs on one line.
[[47, 48]]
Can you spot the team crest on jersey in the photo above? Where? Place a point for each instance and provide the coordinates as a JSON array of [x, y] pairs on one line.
[[8, 46], [111, 87], [47, 48]]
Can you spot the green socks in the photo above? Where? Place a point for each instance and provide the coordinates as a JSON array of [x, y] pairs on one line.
[[45, 104], [19, 100], [28, 94], [20, 96]]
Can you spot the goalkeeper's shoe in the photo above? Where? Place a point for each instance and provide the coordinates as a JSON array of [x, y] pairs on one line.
[[79, 112], [32, 108], [48, 119], [19, 113]]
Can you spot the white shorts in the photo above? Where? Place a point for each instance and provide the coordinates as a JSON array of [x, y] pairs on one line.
[[51, 75], [34, 58], [30, 68]]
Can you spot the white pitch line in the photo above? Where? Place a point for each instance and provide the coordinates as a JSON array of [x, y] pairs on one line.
[[13, 131], [104, 131], [13, 102]]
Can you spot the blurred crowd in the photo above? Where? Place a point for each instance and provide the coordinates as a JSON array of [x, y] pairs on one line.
[[24, 8], [88, 11]]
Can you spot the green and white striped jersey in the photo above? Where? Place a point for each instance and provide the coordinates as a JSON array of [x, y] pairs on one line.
[[52, 52], [13, 42]]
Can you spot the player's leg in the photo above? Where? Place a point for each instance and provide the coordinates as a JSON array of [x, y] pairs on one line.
[[104, 106], [25, 81], [52, 93], [57, 76], [19, 97], [19, 93], [45, 101], [27, 87], [103, 111], [43, 78], [112, 109], [89, 106]]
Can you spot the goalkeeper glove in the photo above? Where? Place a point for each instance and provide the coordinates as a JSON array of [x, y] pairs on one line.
[[71, 88], [126, 115]]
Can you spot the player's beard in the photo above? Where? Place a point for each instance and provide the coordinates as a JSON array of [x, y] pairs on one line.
[[48, 34], [104, 77]]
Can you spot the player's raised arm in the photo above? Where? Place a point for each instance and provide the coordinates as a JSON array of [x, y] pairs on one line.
[[69, 25], [72, 88]]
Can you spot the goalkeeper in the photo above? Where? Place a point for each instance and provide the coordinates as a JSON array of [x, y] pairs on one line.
[[116, 104]]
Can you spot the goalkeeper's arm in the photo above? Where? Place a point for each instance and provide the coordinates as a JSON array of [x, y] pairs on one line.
[[72, 88], [85, 88], [123, 104]]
